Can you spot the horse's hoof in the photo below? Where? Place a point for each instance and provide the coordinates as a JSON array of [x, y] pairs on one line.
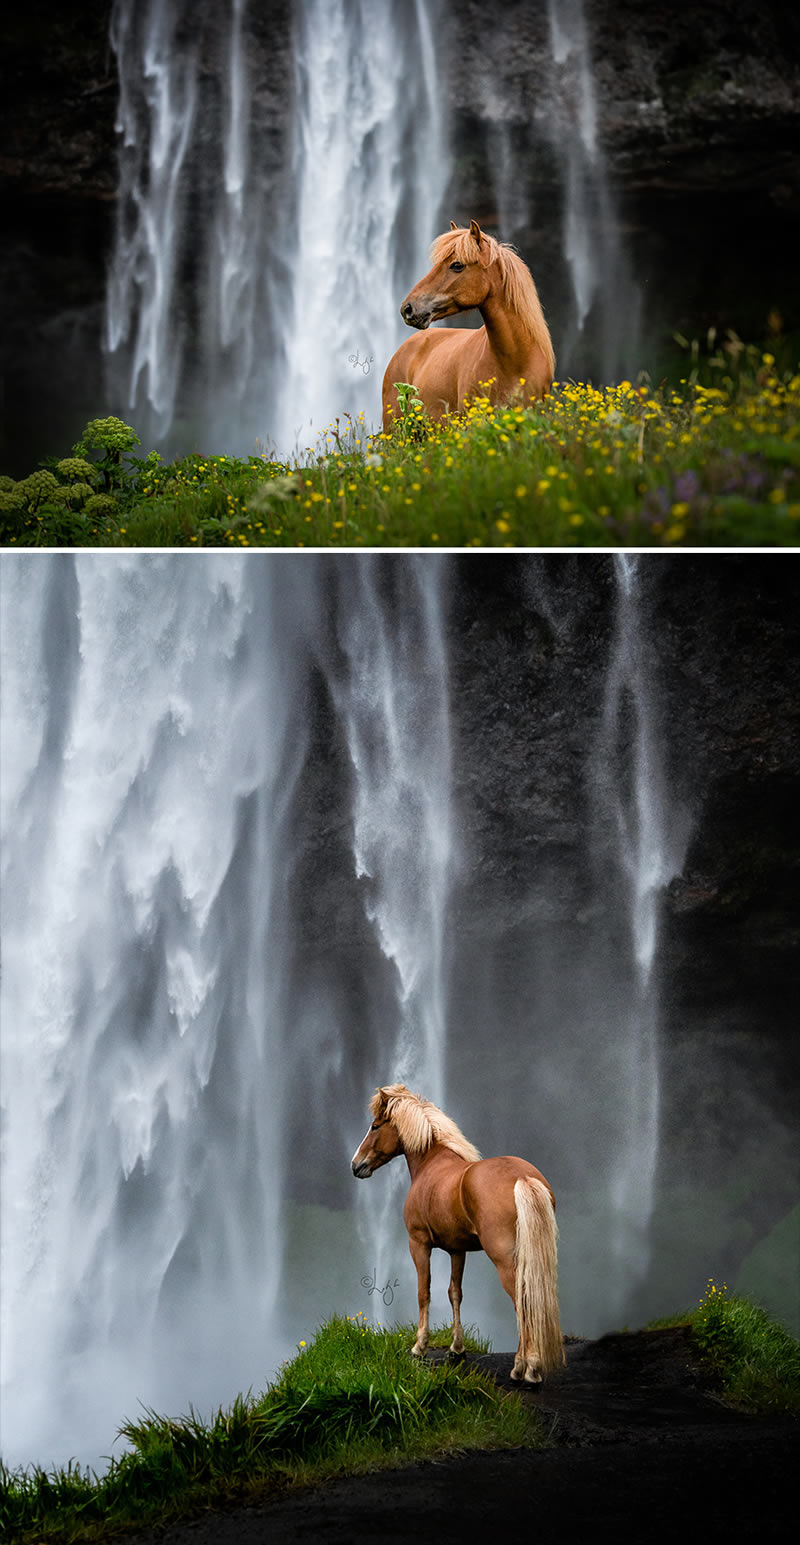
[[532, 1378]]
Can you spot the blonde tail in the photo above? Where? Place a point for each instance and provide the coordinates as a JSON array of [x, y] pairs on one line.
[[536, 1259]]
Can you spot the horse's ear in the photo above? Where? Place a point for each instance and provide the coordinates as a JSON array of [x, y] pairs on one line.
[[475, 231], [453, 225]]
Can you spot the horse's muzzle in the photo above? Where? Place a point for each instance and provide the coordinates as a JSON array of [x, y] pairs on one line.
[[412, 318], [363, 1170]]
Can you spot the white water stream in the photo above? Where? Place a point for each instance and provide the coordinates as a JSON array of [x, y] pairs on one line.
[[650, 842], [228, 870], [154, 732], [260, 256]]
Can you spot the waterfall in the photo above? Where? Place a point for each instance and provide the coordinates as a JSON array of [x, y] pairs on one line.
[[370, 172], [395, 708], [548, 170], [151, 743], [241, 886], [241, 243], [591, 241], [156, 733], [647, 848]]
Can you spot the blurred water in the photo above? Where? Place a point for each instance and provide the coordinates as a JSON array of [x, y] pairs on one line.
[[231, 857], [258, 266], [648, 851], [250, 301]]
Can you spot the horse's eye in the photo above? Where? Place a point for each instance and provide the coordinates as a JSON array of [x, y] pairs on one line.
[[457, 268], [374, 1126]]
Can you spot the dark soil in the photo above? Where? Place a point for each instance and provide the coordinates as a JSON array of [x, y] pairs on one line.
[[643, 1451]]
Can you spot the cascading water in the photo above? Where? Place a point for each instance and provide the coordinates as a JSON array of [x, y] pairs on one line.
[[233, 900], [591, 239], [238, 246], [265, 235], [155, 726], [648, 846], [151, 743], [370, 171], [596, 327], [398, 734]]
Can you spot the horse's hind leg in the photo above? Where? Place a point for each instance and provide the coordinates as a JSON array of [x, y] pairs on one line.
[[457, 1260], [526, 1363], [421, 1256]]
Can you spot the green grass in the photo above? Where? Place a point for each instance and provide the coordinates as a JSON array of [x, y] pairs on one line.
[[352, 1400], [752, 1358], [712, 461]]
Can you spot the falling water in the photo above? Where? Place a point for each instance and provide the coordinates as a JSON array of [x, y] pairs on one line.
[[151, 744], [398, 734], [232, 902], [156, 729], [591, 238], [370, 172], [648, 848], [239, 246]]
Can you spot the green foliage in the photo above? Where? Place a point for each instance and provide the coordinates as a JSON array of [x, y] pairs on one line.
[[76, 469], [112, 439], [414, 423], [753, 1358], [352, 1399], [713, 461]]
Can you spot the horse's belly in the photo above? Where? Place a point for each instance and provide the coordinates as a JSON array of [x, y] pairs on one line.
[[455, 1238]]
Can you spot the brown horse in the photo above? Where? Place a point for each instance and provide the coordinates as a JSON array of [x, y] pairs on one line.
[[471, 269], [459, 1202]]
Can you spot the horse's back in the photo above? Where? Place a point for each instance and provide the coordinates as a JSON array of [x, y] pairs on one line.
[[488, 1195]]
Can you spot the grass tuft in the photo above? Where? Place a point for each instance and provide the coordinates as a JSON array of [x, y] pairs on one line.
[[353, 1399], [753, 1359]]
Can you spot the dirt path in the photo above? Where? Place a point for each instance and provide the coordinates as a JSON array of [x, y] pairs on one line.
[[643, 1452]]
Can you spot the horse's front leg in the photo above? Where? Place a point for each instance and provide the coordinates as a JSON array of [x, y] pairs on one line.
[[457, 1259], [421, 1256]]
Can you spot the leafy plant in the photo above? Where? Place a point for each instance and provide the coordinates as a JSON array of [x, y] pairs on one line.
[[112, 438], [752, 1357]]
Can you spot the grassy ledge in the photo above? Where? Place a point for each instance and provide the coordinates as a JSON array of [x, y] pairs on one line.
[[351, 1400], [753, 1360], [714, 461]]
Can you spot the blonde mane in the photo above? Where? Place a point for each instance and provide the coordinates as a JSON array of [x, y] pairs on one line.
[[519, 290], [419, 1123]]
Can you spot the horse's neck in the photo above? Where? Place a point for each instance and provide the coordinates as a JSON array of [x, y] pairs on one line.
[[510, 341], [433, 1156]]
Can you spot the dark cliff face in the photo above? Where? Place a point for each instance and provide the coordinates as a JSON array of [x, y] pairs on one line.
[[698, 114], [539, 972], [537, 920]]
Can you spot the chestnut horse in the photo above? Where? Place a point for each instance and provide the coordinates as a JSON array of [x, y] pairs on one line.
[[471, 269], [459, 1202]]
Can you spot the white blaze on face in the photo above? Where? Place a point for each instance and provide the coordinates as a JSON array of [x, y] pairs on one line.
[[361, 1145]]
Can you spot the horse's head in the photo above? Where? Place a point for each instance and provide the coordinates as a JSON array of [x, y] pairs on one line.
[[382, 1142], [458, 280]]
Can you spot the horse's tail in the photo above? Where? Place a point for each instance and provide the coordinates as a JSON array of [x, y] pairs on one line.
[[536, 1261]]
